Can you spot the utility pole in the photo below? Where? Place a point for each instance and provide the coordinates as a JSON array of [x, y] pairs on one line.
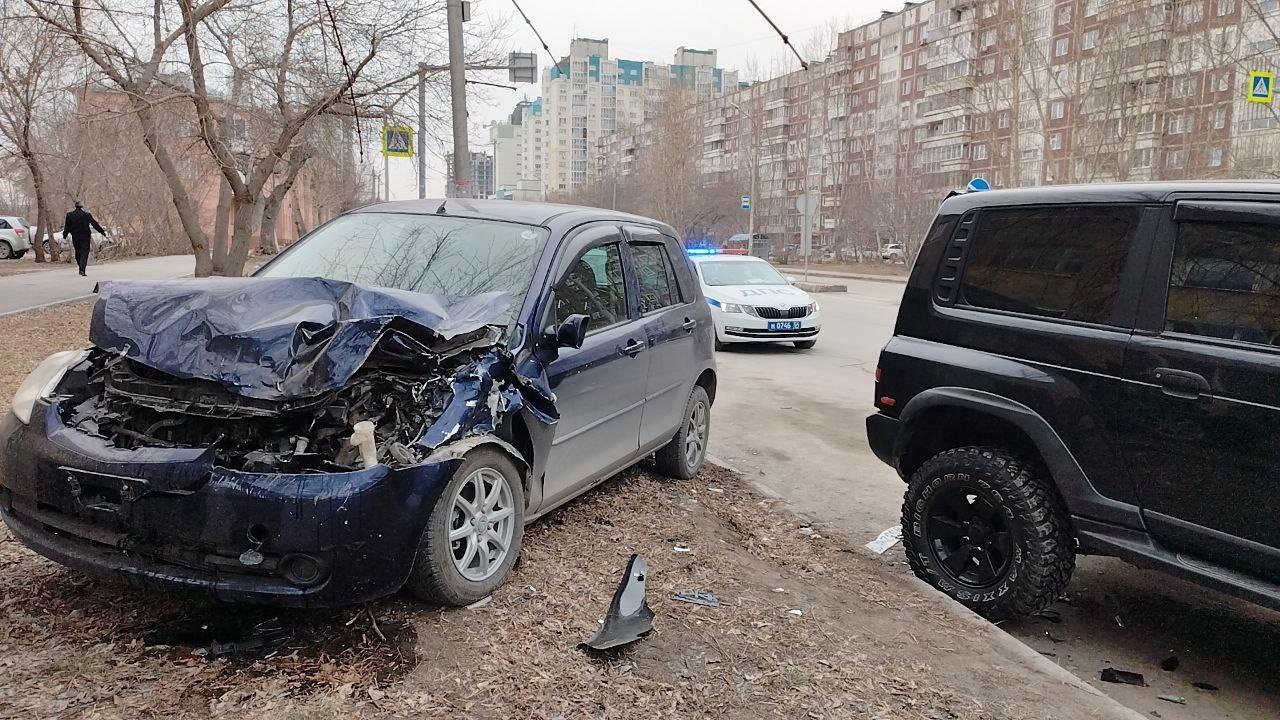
[[458, 93], [422, 130]]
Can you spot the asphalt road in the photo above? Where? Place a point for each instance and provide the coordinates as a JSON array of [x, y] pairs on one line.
[[793, 420], [50, 287]]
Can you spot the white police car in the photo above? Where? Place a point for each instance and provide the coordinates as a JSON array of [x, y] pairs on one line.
[[752, 302]]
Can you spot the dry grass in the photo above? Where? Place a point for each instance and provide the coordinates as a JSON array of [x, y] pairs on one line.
[[864, 645]]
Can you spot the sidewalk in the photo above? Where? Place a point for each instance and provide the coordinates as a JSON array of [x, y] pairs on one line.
[[28, 291], [817, 271]]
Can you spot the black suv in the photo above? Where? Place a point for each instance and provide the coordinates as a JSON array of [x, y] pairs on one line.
[[1089, 370]]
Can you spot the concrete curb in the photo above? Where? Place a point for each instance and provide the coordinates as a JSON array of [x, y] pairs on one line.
[[1009, 646], [814, 287]]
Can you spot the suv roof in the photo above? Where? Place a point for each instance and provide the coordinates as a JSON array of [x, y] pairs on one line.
[[1102, 193]]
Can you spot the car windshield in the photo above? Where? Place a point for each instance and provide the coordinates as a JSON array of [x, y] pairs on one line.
[[429, 254], [740, 272]]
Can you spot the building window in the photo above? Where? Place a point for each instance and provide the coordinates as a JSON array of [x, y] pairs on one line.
[[980, 151], [1219, 118], [1141, 158], [1002, 121], [1091, 7], [1226, 7], [1063, 263], [1224, 80], [1064, 15], [906, 88], [1184, 87], [1215, 157], [1057, 109], [1192, 12], [908, 36], [987, 39], [1176, 159], [1061, 46], [1055, 141], [1089, 40], [919, 83], [907, 61]]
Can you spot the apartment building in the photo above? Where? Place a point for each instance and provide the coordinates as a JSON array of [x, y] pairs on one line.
[[588, 96], [1022, 92], [482, 176]]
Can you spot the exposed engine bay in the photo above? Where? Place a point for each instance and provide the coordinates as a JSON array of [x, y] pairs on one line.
[[299, 375], [132, 405]]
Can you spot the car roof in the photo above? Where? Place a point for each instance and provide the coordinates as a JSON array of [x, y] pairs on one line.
[[732, 258], [531, 213], [1136, 192]]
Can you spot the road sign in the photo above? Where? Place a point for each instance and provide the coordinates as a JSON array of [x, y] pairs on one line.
[[397, 141], [522, 68], [1261, 87], [806, 205], [746, 202]]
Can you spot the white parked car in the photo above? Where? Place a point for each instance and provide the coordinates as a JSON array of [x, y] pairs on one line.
[[752, 302], [892, 252], [15, 237]]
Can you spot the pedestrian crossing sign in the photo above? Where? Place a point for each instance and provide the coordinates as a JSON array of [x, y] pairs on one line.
[[397, 141], [1261, 87]]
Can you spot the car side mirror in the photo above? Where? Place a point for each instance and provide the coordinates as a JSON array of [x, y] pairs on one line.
[[572, 331]]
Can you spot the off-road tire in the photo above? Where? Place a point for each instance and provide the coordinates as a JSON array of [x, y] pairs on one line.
[[6, 250], [434, 577], [1044, 549], [670, 458], [805, 344]]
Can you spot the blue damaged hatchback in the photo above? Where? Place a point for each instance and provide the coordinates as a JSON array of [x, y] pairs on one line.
[[384, 405]]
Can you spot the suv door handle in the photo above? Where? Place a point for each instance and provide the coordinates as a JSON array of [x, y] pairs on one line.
[[689, 324], [632, 348], [1181, 383]]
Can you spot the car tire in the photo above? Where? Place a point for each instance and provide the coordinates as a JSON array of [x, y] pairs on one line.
[[683, 457], [988, 529], [805, 344], [437, 575], [6, 250]]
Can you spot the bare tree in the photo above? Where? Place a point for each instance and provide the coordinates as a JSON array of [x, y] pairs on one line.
[[32, 71]]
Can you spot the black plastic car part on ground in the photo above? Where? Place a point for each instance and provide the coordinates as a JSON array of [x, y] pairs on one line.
[[1089, 369], [307, 441]]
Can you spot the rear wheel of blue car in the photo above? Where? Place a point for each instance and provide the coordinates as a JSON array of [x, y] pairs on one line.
[[473, 534], [682, 458]]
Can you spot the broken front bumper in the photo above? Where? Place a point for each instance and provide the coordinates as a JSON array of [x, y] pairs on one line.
[[168, 518]]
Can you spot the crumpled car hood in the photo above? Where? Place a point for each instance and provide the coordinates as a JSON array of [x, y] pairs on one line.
[[272, 338]]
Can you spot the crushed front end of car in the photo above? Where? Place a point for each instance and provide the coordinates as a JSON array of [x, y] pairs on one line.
[[215, 436]]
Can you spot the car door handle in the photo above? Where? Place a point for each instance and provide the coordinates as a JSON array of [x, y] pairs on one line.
[[689, 324], [632, 348], [1181, 383]]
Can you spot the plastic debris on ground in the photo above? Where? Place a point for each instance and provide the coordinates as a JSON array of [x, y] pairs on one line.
[[885, 540], [698, 597], [480, 603], [1124, 677], [795, 612], [1173, 699], [680, 548], [629, 617]]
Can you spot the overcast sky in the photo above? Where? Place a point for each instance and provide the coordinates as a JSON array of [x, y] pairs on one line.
[[643, 30]]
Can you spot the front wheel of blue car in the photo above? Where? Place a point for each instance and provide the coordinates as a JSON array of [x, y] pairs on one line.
[[473, 534], [683, 457]]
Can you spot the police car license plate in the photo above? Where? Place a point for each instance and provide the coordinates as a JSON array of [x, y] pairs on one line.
[[785, 325]]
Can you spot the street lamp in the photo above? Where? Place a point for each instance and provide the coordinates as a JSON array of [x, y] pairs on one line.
[[755, 169]]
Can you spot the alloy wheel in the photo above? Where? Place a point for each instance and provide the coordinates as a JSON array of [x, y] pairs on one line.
[[969, 538], [695, 439], [481, 524]]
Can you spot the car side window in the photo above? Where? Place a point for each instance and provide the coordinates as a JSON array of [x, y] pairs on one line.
[[595, 287], [1225, 282], [654, 277], [4, 225], [1056, 262]]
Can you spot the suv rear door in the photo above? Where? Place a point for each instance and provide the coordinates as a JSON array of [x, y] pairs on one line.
[[1203, 384]]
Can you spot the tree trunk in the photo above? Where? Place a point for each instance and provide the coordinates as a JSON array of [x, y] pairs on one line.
[[37, 182], [299, 227], [241, 236], [177, 190], [221, 224]]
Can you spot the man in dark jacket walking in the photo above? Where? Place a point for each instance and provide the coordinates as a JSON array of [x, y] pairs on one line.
[[77, 226]]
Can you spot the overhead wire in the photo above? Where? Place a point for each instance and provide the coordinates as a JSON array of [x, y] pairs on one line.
[[785, 40], [529, 22]]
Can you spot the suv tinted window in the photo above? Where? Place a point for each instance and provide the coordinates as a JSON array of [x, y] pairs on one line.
[[1061, 262], [653, 277], [1225, 282], [595, 287]]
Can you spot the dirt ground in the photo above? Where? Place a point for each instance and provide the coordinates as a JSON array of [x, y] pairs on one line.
[[807, 627], [27, 264]]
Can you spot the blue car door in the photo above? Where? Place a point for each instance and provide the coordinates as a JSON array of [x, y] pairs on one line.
[[599, 387]]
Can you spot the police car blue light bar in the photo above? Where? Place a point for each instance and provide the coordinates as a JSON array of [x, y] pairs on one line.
[[702, 251]]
